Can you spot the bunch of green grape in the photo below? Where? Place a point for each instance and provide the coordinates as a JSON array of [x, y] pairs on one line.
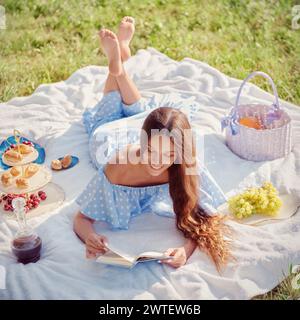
[[263, 200]]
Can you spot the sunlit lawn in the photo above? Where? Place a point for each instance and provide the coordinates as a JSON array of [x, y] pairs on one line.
[[45, 41]]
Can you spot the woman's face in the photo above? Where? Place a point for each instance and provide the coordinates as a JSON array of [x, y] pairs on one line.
[[159, 154]]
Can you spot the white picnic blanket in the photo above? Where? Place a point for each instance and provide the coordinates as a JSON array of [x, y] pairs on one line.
[[52, 117]]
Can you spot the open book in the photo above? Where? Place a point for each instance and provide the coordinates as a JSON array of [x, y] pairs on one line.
[[117, 258]]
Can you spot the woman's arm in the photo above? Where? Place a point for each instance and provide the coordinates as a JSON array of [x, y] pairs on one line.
[[180, 255], [189, 247], [95, 243], [83, 226]]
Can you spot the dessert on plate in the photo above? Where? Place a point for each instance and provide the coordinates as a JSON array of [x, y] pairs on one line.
[[22, 183], [66, 161], [25, 149], [15, 171], [56, 165], [13, 156], [6, 179], [31, 170]]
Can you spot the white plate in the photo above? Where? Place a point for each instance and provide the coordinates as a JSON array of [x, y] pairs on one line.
[[55, 198], [32, 156], [37, 181], [290, 206]]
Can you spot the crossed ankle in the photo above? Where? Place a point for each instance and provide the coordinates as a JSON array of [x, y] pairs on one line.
[[121, 72]]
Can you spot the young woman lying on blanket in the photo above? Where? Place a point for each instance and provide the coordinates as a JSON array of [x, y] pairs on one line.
[[154, 175]]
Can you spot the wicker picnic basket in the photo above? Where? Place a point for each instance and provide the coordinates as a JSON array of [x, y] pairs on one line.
[[272, 140]]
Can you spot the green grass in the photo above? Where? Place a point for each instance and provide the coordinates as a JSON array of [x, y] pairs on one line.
[[47, 40], [284, 291]]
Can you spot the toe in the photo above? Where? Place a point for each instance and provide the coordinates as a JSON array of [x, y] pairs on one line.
[[111, 34], [130, 19], [102, 33]]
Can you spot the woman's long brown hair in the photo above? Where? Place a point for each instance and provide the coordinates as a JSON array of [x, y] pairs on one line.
[[208, 232]]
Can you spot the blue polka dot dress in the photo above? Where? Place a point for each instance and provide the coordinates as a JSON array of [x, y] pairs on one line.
[[115, 204]]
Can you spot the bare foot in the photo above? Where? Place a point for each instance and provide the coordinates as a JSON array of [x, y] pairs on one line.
[[110, 45], [125, 34]]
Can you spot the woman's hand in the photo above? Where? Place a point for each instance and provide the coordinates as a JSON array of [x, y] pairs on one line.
[[180, 255], [96, 245]]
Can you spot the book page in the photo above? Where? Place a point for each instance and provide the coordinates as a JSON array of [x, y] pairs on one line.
[[113, 259], [115, 253], [152, 255]]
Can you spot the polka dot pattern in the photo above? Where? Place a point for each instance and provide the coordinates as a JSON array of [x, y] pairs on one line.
[[111, 108], [116, 204]]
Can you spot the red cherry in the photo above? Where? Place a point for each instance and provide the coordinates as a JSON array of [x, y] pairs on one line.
[[28, 143], [43, 197], [35, 204]]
